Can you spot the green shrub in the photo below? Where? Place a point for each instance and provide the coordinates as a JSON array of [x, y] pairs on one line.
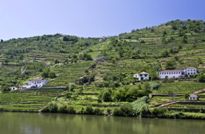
[[159, 112], [132, 94], [174, 50], [171, 64], [52, 107], [109, 112], [105, 96], [201, 78], [90, 110], [165, 54], [48, 74], [52, 75], [71, 87], [140, 105], [124, 110], [88, 79], [155, 86], [180, 115], [98, 111], [62, 109], [120, 95], [5, 88], [70, 38], [70, 110], [86, 57]]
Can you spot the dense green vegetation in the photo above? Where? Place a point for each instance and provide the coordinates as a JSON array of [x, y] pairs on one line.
[[97, 73]]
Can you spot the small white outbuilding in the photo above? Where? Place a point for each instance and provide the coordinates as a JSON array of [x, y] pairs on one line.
[[143, 76], [13, 88], [193, 97]]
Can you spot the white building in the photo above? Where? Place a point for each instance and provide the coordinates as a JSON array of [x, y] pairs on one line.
[[34, 84], [142, 76], [193, 97], [170, 74], [13, 88], [190, 71], [174, 74]]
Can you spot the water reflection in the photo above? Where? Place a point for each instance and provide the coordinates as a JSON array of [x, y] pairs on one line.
[[29, 123]]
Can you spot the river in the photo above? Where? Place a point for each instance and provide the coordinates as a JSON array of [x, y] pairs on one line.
[[32, 123]]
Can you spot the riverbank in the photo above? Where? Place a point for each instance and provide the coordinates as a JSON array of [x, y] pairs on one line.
[[85, 103], [167, 115]]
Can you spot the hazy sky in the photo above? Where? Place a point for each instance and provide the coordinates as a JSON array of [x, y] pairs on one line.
[[23, 18]]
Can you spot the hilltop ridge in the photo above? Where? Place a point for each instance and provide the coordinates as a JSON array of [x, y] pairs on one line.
[[182, 40]]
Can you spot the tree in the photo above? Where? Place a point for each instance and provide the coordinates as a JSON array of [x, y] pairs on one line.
[[164, 33], [142, 41], [180, 47], [5, 62], [106, 96], [56, 61], [52, 75], [45, 73], [71, 87], [5, 88], [48, 74], [132, 94], [146, 86], [88, 79], [120, 95], [165, 54], [86, 57], [199, 60], [70, 38], [185, 39], [174, 50], [186, 96], [201, 78], [124, 110], [171, 64]]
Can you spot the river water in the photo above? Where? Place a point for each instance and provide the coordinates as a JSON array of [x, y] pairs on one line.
[[32, 123]]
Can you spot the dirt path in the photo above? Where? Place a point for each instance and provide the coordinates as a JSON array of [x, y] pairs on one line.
[[167, 104], [199, 91]]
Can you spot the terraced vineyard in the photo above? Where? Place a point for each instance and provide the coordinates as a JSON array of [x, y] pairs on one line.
[[30, 101], [103, 66]]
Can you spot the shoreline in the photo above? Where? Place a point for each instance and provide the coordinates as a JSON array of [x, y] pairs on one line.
[[176, 116]]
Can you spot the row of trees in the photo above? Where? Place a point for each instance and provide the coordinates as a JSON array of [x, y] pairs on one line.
[[125, 94]]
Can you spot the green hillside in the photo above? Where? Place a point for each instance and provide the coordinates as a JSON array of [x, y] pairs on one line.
[[94, 69]]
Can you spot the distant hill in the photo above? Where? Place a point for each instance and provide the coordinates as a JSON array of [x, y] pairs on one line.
[[103, 62]]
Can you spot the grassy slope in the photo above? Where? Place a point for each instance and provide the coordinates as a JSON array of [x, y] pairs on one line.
[[148, 43], [30, 101], [69, 73]]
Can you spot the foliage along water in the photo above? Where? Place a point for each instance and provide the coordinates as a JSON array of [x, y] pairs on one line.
[[29, 123]]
